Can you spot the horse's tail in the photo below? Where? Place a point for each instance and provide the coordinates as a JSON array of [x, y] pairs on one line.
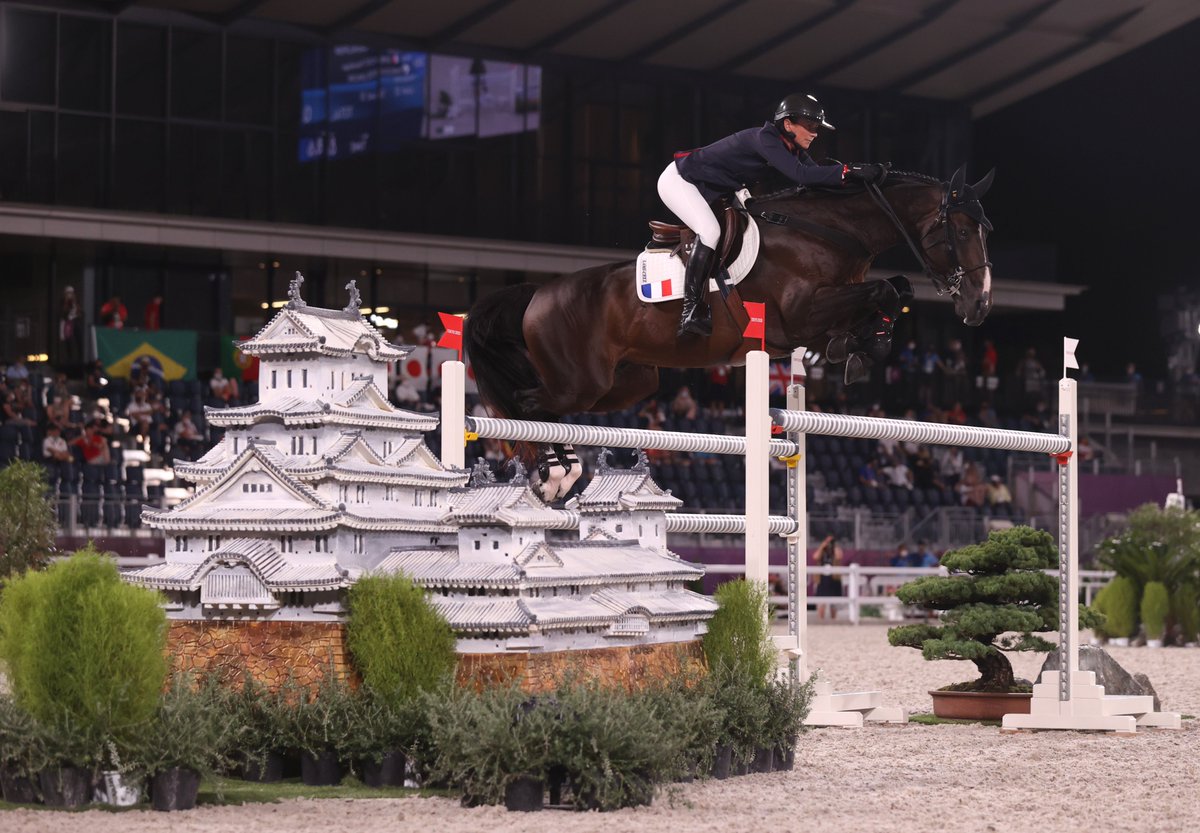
[[494, 340]]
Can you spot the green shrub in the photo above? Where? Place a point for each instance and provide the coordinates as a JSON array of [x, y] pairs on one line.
[[1158, 545], [27, 522], [788, 703], [260, 719], [744, 705], [1185, 610], [1156, 604], [22, 744], [1121, 608], [1099, 602], [375, 728], [738, 641], [82, 647], [399, 642], [190, 728], [317, 720], [690, 716]]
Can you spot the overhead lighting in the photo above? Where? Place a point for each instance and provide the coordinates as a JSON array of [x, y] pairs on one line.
[[37, 357], [278, 304], [904, 309], [265, 305], [382, 310]]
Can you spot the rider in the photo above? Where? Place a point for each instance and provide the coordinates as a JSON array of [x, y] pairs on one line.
[[695, 178]]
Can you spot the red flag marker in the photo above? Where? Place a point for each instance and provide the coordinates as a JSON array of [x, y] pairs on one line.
[[452, 338], [757, 328]]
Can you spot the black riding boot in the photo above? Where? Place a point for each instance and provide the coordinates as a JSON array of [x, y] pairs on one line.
[[696, 318]]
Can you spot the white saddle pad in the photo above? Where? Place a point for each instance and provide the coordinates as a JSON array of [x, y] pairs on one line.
[[660, 273]]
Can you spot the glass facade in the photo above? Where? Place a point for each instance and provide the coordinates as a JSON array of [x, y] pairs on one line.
[[159, 113]]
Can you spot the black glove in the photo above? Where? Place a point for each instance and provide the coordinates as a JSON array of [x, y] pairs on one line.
[[866, 172]]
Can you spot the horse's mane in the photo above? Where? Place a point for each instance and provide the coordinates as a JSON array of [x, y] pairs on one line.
[[781, 188]]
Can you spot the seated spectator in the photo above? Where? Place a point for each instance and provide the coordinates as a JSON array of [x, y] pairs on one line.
[[988, 417], [1087, 452], [683, 406], [924, 556], [58, 414], [223, 390], [186, 437], [18, 424], [900, 557], [57, 456], [95, 383], [94, 444], [17, 371], [957, 415], [898, 473], [998, 493], [924, 470], [868, 477], [653, 414], [141, 413], [59, 388], [952, 464], [972, 491]]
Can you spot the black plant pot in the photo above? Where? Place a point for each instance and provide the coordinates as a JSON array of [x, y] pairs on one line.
[[764, 759], [68, 786], [524, 794], [386, 773], [785, 757], [322, 770], [740, 767], [639, 790], [556, 776], [17, 788], [270, 770], [174, 789], [722, 762]]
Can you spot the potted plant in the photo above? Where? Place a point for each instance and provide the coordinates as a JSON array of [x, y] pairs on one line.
[[21, 753], [189, 736], [261, 727], [691, 718], [1156, 604], [788, 703], [317, 723], [1185, 610], [84, 654], [995, 599], [376, 733], [1118, 602]]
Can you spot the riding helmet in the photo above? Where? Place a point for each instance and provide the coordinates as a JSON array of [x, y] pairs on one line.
[[802, 106]]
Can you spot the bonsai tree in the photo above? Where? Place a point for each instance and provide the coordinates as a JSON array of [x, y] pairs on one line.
[[996, 599]]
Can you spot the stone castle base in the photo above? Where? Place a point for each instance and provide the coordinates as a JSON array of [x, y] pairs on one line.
[[273, 652]]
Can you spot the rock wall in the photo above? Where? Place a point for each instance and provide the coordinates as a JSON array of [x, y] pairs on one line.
[[273, 651]]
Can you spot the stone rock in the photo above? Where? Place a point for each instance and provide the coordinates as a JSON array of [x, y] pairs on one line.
[[1109, 673]]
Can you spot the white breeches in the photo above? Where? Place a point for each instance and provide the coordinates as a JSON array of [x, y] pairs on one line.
[[685, 200]]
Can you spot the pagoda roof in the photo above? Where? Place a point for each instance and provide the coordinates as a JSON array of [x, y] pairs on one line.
[[603, 609], [299, 329], [615, 490], [232, 572], [361, 404], [350, 459], [541, 565], [512, 504]]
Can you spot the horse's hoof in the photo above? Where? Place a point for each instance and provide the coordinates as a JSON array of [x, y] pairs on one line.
[[839, 348], [858, 368]]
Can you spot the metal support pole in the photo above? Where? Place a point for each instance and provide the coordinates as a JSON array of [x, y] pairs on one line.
[[797, 542], [1068, 542]]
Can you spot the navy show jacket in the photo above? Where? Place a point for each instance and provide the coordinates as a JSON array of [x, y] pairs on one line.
[[749, 156]]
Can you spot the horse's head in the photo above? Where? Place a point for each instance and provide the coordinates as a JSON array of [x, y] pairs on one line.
[[956, 248]]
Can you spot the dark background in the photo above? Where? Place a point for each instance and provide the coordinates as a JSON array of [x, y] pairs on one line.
[[1107, 167]]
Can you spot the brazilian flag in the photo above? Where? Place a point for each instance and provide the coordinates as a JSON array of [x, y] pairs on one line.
[[172, 351]]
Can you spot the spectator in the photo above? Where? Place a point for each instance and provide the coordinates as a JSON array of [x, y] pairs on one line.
[[70, 328], [898, 473], [18, 422], [653, 414], [957, 415], [141, 414], [998, 494], [94, 444], [186, 437], [683, 406], [954, 372], [972, 491], [57, 456], [59, 388], [924, 470], [113, 313], [1032, 376], [929, 366], [224, 391], [924, 556], [146, 373], [990, 360], [58, 414], [95, 383], [988, 417], [952, 464], [718, 389], [152, 320], [17, 371], [900, 557], [1087, 452], [829, 554], [868, 477]]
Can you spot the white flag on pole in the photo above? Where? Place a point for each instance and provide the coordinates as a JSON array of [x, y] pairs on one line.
[[1069, 345]]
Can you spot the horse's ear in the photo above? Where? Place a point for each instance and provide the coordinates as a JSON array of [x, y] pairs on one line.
[[956, 181], [981, 187]]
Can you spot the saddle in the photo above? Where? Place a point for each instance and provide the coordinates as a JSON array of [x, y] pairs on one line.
[[679, 238]]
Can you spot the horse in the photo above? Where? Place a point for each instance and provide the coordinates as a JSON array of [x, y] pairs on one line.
[[584, 342]]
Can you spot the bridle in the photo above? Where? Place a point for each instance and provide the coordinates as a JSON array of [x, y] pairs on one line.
[[950, 284]]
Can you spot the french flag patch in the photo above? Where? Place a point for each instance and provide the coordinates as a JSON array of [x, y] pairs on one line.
[[659, 277]]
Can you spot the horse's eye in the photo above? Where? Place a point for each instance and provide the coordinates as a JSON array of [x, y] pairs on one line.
[[962, 232]]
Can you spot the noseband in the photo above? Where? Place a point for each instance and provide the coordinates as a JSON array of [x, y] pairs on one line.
[[950, 284]]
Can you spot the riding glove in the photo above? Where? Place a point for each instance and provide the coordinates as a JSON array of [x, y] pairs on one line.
[[865, 172]]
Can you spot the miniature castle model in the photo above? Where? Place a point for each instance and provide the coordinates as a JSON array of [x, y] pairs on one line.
[[324, 480]]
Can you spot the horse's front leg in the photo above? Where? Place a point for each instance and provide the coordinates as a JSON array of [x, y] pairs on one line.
[[558, 469], [859, 320]]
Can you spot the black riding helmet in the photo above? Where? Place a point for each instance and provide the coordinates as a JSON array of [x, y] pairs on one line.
[[800, 105]]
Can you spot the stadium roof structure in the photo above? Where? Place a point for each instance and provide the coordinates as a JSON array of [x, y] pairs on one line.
[[984, 55]]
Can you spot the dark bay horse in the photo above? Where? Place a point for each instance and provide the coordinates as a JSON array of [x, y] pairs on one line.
[[585, 342]]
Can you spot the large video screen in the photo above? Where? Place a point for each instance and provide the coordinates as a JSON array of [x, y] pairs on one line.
[[360, 99]]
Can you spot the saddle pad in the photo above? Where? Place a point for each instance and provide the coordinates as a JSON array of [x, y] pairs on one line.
[[659, 273]]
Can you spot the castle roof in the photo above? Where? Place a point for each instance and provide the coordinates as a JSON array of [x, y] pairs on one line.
[[614, 490], [512, 504], [301, 330], [243, 569], [603, 609], [360, 405]]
